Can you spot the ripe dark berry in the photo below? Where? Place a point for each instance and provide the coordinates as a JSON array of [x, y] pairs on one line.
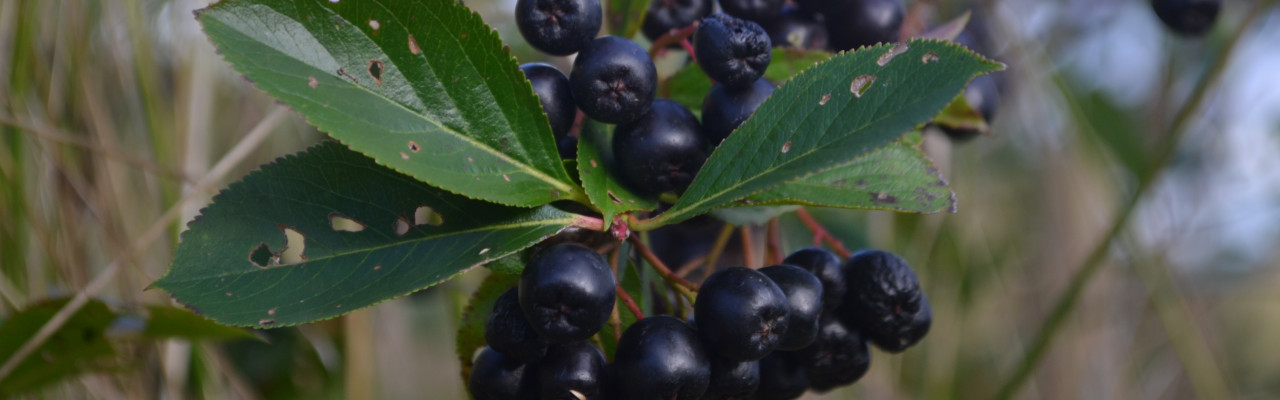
[[576, 367], [884, 300], [983, 96], [508, 332], [798, 29], [665, 15], [1187, 17], [613, 80], [741, 314], [567, 292], [826, 266], [495, 376], [804, 301], [662, 150], [838, 357], [856, 23], [731, 51], [724, 109], [781, 378], [552, 88], [732, 379], [559, 27], [660, 357], [755, 10]]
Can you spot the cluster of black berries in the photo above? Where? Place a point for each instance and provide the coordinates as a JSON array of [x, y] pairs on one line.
[[807, 24], [771, 333]]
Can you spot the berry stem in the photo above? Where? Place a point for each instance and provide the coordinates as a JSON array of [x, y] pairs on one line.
[[672, 37], [821, 234], [748, 246], [688, 47], [774, 250], [587, 222], [683, 286], [630, 303], [721, 242]]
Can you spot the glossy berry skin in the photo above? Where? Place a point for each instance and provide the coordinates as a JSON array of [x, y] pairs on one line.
[[754, 10], [855, 23], [884, 300], [781, 378], [724, 109], [804, 300], [567, 292], [798, 29], [741, 314], [568, 368], [559, 27], [613, 80], [732, 51], [661, 151], [495, 376], [826, 266], [508, 332], [665, 15], [661, 357], [1187, 17], [552, 88], [732, 379], [838, 357]]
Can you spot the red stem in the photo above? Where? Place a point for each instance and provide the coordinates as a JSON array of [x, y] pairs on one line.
[[672, 37], [820, 234], [748, 247], [774, 243], [630, 303], [659, 266]]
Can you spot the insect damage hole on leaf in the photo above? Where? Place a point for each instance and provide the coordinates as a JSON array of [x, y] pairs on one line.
[[294, 245], [341, 223], [425, 215], [861, 84], [896, 50], [375, 71], [262, 256], [401, 226], [929, 57]]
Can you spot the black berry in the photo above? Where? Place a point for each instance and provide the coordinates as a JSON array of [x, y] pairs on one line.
[[494, 376], [781, 378], [558, 27], [755, 10], [742, 315], [838, 357], [856, 23], [576, 367], [732, 51], [567, 292], [665, 15], [732, 379], [662, 150], [724, 109], [552, 88], [826, 266], [1187, 17], [660, 357], [884, 300], [613, 80], [509, 333], [804, 301], [799, 29]]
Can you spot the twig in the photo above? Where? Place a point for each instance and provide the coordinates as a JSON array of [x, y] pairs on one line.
[[158, 228], [681, 285], [821, 234], [721, 241], [1093, 263], [774, 253], [630, 303], [748, 247]]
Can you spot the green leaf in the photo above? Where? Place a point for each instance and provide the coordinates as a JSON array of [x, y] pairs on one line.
[[787, 62], [689, 85], [79, 346], [422, 86], [170, 322], [595, 163], [751, 215], [960, 115], [897, 177], [471, 327], [624, 17], [830, 115], [341, 233]]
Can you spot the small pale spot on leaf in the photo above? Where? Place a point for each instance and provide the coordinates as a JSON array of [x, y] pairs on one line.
[[506, 178], [825, 99], [373, 23], [861, 84], [470, 160], [427, 216], [594, 164], [312, 82], [786, 147], [400, 227], [896, 50], [404, 156], [413, 45], [266, 321], [271, 312], [377, 267], [414, 147], [929, 57], [343, 224], [484, 250], [228, 294]]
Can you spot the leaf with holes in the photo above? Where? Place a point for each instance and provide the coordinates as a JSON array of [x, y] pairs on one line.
[[897, 177], [471, 327], [330, 231], [624, 17], [79, 346], [689, 85], [828, 116], [422, 86], [595, 166]]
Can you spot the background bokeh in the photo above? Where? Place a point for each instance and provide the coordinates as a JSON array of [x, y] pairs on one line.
[[111, 112]]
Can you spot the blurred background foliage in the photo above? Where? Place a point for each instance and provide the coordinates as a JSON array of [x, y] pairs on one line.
[[118, 121]]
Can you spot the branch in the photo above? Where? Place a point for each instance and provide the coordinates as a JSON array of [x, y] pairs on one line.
[[821, 234]]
